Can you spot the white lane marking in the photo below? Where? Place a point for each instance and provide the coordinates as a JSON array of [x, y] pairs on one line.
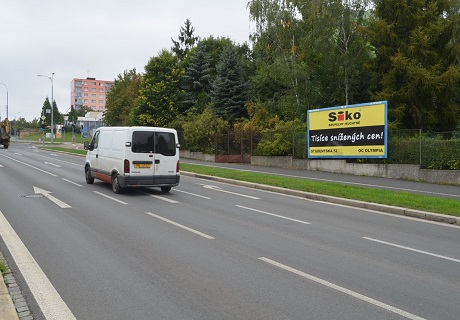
[[74, 183], [193, 194], [274, 215], [26, 164], [161, 198], [109, 197], [216, 188], [17, 153], [53, 164], [59, 160], [343, 290], [47, 194], [412, 249], [339, 181], [48, 299], [180, 226]]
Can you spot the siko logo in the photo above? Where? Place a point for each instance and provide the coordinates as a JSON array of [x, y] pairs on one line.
[[344, 115]]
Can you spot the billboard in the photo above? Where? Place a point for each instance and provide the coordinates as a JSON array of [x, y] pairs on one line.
[[353, 131]]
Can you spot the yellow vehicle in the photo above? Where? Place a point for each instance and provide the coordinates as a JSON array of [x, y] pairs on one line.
[[5, 129]]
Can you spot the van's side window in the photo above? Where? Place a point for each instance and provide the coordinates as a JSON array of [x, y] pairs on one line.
[[95, 141], [154, 142]]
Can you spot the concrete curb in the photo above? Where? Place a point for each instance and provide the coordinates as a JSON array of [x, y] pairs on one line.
[[7, 309], [353, 203]]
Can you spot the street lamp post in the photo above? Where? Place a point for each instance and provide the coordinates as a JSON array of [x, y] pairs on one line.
[[16, 126], [52, 101], [6, 99]]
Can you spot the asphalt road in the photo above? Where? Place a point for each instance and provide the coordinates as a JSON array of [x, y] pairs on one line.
[[210, 250], [429, 189]]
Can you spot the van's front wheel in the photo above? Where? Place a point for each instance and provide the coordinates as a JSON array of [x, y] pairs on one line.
[[88, 177], [116, 184]]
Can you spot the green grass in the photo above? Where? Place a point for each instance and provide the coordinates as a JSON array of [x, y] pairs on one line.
[[387, 197], [69, 150], [2, 268]]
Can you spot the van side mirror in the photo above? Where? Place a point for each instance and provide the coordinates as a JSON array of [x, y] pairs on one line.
[[86, 145], [177, 145]]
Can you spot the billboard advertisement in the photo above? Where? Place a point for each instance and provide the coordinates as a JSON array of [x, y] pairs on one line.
[[353, 131]]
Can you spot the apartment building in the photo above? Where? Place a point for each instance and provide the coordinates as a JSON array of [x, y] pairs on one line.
[[89, 92]]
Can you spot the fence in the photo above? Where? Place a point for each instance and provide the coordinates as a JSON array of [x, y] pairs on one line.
[[439, 150]]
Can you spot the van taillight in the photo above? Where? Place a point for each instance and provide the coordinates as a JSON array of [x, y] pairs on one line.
[[126, 167], [177, 166]]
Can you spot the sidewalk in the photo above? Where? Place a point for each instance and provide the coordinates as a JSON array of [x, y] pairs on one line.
[[10, 291]]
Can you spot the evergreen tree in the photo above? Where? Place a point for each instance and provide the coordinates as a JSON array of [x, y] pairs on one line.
[[160, 95], [57, 116], [197, 80], [416, 67], [229, 91], [186, 40]]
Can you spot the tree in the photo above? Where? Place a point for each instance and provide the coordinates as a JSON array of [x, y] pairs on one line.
[[122, 98], [197, 80], [229, 91], [57, 116], [417, 61], [160, 96], [186, 40]]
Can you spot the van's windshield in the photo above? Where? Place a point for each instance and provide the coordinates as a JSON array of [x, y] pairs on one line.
[[154, 142]]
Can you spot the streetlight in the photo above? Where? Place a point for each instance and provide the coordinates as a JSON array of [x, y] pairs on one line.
[[16, 126], [6, 99], [52, 101]]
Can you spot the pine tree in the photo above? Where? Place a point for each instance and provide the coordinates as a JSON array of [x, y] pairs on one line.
[[229, 90], [197, 80], [186, 40]]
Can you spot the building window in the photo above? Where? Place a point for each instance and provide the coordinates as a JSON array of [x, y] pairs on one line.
[[101, 101], [101, 90], [93, 90], [85, 89], [94, 83], [86, 100], [85, 94], [93, 95], [101, 96]]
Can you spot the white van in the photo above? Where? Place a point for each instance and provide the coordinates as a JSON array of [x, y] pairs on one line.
[[133, 157]]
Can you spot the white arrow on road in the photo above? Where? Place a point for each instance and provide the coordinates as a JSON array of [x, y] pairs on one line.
[[47, 194]]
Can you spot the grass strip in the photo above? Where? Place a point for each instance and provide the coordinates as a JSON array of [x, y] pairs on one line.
[[386, 197]]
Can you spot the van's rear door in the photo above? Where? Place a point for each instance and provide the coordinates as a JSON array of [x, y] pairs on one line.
[[154, 154], [166, 156]]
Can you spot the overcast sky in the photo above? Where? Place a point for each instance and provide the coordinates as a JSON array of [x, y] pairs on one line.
[[95, 38]]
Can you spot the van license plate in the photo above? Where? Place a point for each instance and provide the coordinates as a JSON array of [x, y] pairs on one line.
[[141, 165]]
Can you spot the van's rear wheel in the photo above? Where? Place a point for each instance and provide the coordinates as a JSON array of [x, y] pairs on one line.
[[116, 184], [165, 189], [88, 177]]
